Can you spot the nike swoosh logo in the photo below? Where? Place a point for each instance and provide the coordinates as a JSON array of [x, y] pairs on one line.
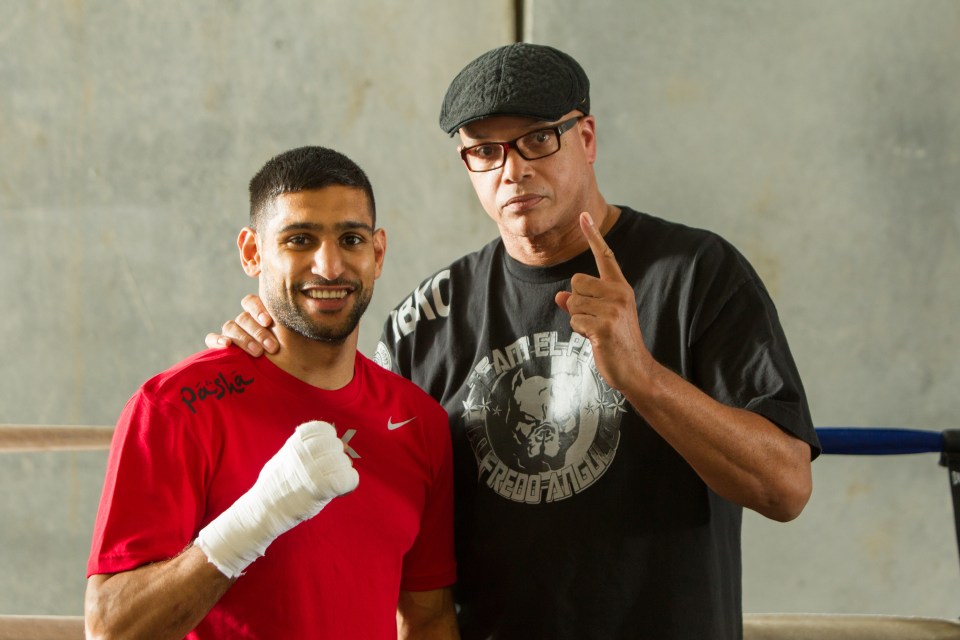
[[391, 425]]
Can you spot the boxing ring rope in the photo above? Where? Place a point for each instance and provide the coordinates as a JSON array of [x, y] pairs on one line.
[[41, 628], [875, 441], [39, 437], [19, 438], [757, 626]]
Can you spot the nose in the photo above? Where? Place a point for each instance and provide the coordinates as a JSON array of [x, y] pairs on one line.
[[328, 261], [515, 168]]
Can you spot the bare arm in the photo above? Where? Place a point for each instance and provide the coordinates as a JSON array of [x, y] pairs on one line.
[[739, 454], [162, 600], [427, 615]]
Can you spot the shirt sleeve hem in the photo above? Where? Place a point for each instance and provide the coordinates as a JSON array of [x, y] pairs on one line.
[[428, 583]]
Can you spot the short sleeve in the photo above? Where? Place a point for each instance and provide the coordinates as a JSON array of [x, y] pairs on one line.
[[154, 491], [739, 348]]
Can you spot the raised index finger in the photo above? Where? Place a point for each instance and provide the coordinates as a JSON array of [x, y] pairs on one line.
[[602, 253]]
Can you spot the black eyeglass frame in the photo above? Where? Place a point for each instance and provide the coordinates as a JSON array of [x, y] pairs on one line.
[[558, 129]]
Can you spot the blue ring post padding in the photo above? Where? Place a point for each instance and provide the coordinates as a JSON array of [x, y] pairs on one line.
[[875, 441]]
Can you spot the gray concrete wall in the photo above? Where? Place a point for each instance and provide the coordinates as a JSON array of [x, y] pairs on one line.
[[820, 137], [129, 132], [823, 139]]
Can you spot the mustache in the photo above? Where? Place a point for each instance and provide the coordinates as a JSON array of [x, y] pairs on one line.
[[325, 282]]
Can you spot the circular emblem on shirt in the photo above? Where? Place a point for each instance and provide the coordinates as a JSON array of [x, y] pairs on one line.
[[382, 357], [542, 423]]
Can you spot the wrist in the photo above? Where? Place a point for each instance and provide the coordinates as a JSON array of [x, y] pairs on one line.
[[649, 388], [237, 537]]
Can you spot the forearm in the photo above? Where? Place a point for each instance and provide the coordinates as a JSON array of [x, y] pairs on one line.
[[427, 615], [739, 454], [158, 601]]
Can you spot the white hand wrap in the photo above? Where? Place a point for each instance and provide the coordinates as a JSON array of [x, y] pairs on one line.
[[308, 471]]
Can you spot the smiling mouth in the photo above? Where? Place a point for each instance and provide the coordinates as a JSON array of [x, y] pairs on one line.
[[326, 294]]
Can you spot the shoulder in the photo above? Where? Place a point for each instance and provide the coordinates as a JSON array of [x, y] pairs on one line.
[[382, 377], [635, 225], [438, 295], [660, 240], [201, 369], [167, 411]]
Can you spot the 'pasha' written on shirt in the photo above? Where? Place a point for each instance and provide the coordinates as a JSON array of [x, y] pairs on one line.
[[215, 389]]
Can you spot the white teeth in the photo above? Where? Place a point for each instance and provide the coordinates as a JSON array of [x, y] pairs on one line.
[[323, 294]]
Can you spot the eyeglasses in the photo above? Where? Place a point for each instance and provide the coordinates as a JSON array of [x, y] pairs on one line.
[[530, 146]]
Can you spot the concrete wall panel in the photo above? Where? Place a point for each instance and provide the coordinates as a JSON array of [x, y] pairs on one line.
[[822, 139], [129, 132]]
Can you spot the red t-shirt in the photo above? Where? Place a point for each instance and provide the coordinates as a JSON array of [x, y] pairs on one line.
[[194, 438]]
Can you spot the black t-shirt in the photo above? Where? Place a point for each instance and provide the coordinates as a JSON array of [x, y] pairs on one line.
[[574, 519]]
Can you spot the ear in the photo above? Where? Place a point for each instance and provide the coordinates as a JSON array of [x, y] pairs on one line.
[[379, 250], [588, 134], [249, 251], [518, 379]]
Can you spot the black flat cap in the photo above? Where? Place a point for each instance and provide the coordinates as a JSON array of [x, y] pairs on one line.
[[519, 79]]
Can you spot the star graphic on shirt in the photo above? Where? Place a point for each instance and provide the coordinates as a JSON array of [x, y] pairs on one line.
[[482, 406], [614, 402]]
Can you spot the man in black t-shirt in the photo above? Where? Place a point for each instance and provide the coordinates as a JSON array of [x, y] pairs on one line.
[[619, 386]]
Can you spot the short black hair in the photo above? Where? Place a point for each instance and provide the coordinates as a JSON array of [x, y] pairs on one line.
[[303, 169]]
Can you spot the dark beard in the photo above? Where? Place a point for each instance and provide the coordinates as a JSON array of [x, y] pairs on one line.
[[293, 318]]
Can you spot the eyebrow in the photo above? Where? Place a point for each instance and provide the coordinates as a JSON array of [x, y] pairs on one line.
[[349, 225], [483, 135]]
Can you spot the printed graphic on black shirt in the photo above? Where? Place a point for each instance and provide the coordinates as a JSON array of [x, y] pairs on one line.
[[542, 422]]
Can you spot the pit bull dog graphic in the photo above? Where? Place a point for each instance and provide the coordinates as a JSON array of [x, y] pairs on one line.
[[544, 414], [542, 427]]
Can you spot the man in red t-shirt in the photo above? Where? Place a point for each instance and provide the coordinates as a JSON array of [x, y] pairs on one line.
[[304, 495]]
